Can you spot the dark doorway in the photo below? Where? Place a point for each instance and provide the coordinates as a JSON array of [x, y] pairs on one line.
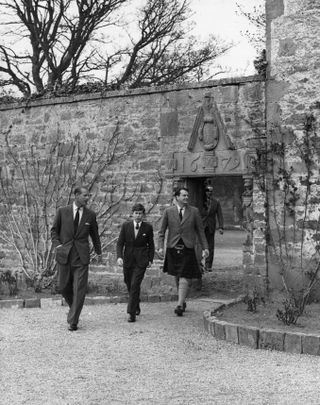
[[227, 189], [227, 271]]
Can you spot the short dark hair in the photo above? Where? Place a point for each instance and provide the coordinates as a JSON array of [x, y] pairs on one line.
[[78, 190], [178, 191], [138, 207]]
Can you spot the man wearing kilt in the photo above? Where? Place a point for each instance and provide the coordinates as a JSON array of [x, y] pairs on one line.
[[184, 225]]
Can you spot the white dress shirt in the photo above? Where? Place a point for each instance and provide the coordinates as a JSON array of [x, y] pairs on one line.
[[75, 211], [136, 230], [181, 208]]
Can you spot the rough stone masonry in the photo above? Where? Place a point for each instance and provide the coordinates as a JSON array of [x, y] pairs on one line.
[[163, 133]]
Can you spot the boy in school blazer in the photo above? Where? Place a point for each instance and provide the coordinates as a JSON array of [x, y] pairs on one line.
[[135, 252]]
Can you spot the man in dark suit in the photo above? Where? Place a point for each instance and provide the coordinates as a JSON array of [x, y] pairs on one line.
[[135, 252], [211, 214], [70, 233], [184, 225]]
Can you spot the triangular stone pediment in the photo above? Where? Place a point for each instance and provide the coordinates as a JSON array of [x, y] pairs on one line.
[[209, 130], [210, 150]]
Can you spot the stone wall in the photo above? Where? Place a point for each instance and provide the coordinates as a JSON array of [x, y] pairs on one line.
[[156, 123], [162, 126], [292, 93], [293, 59]]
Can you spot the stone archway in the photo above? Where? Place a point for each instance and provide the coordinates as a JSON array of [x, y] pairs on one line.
[[212, 155], [233, 250]]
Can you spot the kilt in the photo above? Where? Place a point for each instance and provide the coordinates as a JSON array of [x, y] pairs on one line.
[[181, 263]]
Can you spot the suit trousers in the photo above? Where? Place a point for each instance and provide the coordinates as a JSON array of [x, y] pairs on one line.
[[133, 277], [75, 288], [210, 239]]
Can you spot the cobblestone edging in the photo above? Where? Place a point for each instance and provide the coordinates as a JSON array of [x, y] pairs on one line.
[[255, 338], [89, 300]]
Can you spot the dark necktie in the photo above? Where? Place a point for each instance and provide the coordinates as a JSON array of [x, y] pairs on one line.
[[208, 203], [180, 214], [136, 230], [76, 221]]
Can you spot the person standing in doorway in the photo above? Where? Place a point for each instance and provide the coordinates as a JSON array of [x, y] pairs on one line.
[[184, 225], [211, 216], [135, 252], [70, 233]]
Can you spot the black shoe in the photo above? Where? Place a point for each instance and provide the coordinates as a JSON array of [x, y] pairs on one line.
[[73, 327], [132, 318], [184, 306], [179, 311], [138, 310]]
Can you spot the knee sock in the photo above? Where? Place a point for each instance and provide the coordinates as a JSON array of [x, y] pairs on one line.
[[177, 282], [182, 291]]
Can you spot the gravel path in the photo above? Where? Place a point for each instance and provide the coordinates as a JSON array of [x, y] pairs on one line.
[[160, 359]]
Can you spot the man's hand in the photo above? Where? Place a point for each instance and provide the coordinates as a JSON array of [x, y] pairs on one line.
[[205, 253], [160, 253], [149, 265], [221, 231], [119, 261]]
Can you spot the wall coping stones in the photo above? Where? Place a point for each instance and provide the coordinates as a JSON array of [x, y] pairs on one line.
[[290, 342], [229, 81]]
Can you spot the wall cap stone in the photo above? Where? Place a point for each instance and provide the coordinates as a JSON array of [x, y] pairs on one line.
[[229, 81]]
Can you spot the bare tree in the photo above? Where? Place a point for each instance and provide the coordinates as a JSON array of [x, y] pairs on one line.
[[67, 42], [257, 34], [257, 20], [58, 32], [36, 180]]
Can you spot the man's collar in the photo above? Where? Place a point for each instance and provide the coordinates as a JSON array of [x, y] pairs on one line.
[[75, 207]]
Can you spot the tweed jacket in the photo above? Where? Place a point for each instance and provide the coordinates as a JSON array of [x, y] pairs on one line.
[[188, 229]]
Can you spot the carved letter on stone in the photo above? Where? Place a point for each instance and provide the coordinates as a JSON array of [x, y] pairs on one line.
[[251, 161], [210, 161], [172, 163], [194, 164]]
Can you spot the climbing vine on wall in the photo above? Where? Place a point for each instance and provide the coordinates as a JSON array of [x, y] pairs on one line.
[[37, 179], [292, 180]]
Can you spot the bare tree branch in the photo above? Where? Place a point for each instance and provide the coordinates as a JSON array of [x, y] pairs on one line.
[[63, 49]]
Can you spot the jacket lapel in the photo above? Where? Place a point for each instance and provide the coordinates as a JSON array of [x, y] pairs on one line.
[[69, 213], [176, 213], [186, 214], [140, 231], [131, 230], [83, 219]]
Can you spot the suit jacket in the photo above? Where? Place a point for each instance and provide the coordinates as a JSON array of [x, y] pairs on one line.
[[211, 214], [137, 251], [62, 233], [188, 229]]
